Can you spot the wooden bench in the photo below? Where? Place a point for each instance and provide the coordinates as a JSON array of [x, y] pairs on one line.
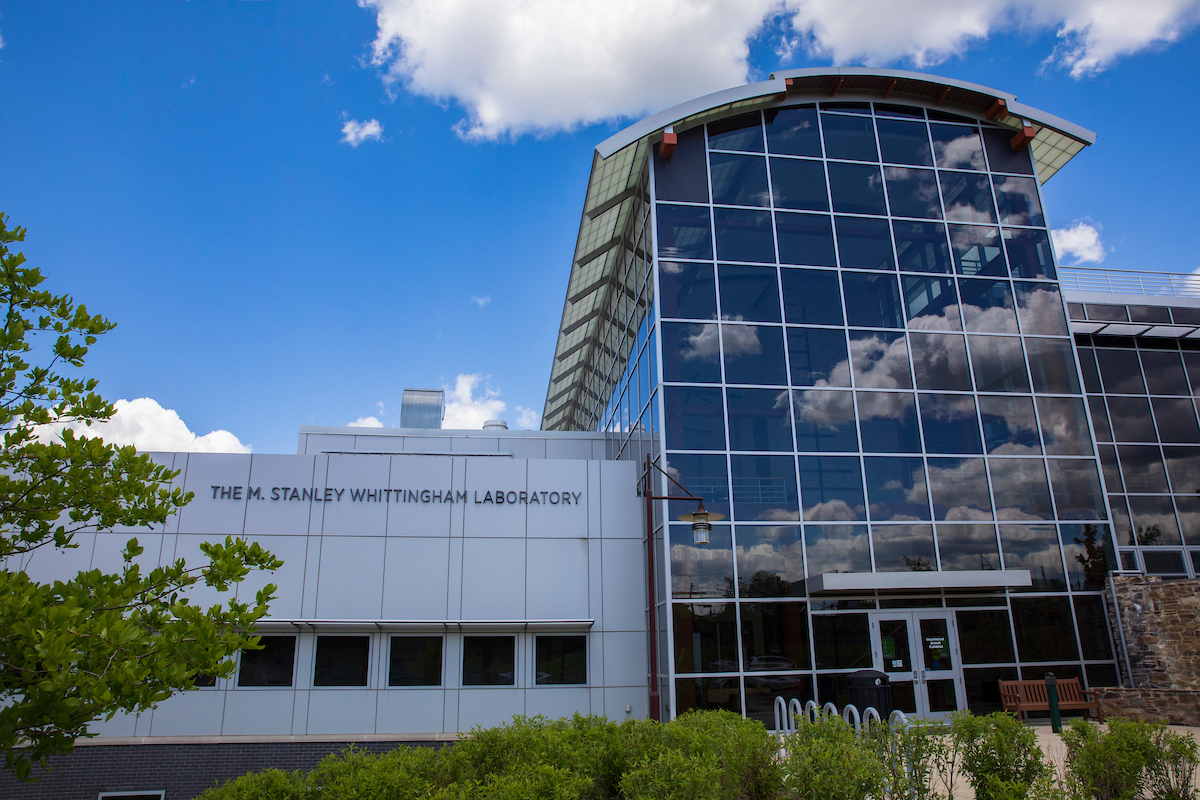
[[1023, 696]]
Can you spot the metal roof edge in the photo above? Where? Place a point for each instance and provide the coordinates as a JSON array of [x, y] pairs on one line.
[[624, 138], [809, 72]]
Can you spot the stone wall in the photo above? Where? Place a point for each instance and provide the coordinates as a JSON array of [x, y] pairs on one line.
[[1173, 706], [1161, 625]]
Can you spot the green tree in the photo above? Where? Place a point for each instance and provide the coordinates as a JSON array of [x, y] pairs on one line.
[[82, 649]]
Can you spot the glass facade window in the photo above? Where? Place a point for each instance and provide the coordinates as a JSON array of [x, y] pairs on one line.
[[341, 661], [415, 661], [560, 660], [489, 660], [273, 664]]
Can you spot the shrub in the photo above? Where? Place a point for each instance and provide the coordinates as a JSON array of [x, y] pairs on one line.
[[827, 760], [1132, 759], [399, 774], [912, 758], [673, 775], [998, 754], [270, 784], [1172, 775]]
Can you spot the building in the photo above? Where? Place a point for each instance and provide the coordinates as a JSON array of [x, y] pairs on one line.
[[825, 304]]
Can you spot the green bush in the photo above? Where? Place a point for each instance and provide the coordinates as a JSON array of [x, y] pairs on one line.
[[269, 784], [913, 758], [672, 775], [1130, 760], [1172, 775], [999, 756], [828, 760]]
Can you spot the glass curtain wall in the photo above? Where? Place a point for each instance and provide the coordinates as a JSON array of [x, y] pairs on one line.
[[1141, 394], [866, 366]]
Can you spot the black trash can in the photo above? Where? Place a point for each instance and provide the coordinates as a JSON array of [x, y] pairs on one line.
[[871, 689]]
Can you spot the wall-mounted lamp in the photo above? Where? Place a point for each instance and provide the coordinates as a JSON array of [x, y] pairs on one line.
[[701, 520]]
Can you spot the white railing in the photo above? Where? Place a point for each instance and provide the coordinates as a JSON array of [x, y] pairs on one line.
[[1119, 281], [788, 712]]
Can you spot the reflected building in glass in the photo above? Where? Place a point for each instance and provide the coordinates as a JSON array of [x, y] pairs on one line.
[[828, 304]]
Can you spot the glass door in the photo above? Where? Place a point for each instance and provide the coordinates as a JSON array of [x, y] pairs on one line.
[[919, 652]]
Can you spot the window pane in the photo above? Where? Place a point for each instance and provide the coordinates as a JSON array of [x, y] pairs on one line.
[[799, 184], [415, 661], [1163, 562], [984, 637], [793, 132], [1093, 627], [888, 421], [864, 243], [764, 488], [1064, 426], [489, 661], [743, 236], [560, 660], [708, 694], [1110, 467], [818, 357], [1164, 372], [950, 423], [879, 360], [1019, 203], [1121, 371], [959, 489], [705, 637], [913, 192], [1077, 492], [998, 363], [684, 232], [968, 547], [1088, 369], [705, 476], [743, 132], [749, 293], [1089, 554], [1009, 426], [759, 419], [1155, 314], [1131, 420], [856, 189], [1183, 465], [1153, 520], [896, 488], [1039, 307], [805, 239], [270, 666], [1035, 548], [1044, 629], [825, 421], [341, 661], [1001, 155], [739, 180], [977, 250], [987, 305], [922, 246], [872, 301], [967, 197], [683, 176], [940, 361], [775, 636], [754, 354], [837, 548], [691, 352], [761, 694], [903, 548], [770, 561], [1052, 365], [842, 641], [1100, 424], [1143, 468], [811, 296], [1029, 254], [852, 138], [831, 488], [932, 303], [701, 570], [695, 418], [957, 147], [1019, 485], [903, 142], [687, 290]]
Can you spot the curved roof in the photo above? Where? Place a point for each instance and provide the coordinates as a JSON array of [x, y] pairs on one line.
[[615, 192]]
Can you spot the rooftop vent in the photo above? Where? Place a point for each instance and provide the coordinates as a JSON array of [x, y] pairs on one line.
[[422, 408], [495, 425]]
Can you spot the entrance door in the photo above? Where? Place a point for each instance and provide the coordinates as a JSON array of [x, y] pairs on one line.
[[919, 652]]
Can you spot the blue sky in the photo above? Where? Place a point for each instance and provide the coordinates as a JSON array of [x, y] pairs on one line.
[[181, 168]]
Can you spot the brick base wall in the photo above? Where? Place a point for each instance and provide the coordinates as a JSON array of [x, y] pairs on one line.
[[183, 770], [1174, 706]]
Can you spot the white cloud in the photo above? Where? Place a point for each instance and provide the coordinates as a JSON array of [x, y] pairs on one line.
[[365, 422], [1, 41], [472, 402], [355, 133], [148, 426], [1080, 242], [539, 66], [481, 301]]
